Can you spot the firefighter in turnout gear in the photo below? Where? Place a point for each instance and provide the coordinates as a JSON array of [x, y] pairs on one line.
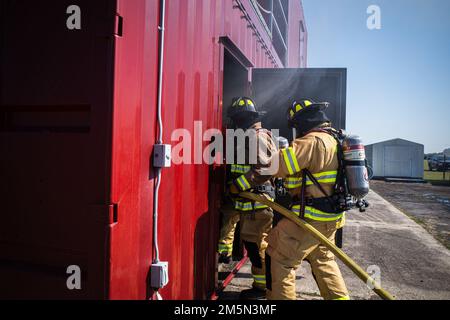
[[248, 175], [313, 155]]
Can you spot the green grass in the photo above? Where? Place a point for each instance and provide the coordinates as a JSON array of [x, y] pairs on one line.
[[435, 177]]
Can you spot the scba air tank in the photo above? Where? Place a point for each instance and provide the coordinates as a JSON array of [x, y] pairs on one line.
[[355, 166]]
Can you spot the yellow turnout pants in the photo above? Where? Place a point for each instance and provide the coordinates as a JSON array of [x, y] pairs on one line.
[[255, 226], [230, 218], [288, 246]]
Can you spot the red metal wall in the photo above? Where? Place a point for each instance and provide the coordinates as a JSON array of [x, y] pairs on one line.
[[133, 136], [192, 92], [86, 197], [55, 124]]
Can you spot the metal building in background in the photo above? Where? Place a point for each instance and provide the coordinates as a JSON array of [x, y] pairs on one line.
[[396, 158]]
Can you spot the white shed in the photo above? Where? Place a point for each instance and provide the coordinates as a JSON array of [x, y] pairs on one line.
[[396, 158]]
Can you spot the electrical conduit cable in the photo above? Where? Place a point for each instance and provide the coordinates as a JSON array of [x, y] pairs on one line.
[[161, 29], [160, 126], [316, 234]]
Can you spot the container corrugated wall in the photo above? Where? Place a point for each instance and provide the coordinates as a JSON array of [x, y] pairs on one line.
[[107, 208]]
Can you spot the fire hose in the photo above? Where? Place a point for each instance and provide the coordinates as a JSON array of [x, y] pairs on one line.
[[327, 243]]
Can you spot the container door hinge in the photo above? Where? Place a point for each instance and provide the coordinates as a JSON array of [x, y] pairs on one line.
[[118, 29], [106, 214], [113, 213]]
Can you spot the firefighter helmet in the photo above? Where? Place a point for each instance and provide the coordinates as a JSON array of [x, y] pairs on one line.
[[243, 112], [242, 106], [303, 107]]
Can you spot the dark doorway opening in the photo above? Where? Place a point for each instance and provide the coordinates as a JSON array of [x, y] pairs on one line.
[[235, 84], [235, 81]]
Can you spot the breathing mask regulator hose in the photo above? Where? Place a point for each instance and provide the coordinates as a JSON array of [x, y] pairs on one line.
[[327, 243]]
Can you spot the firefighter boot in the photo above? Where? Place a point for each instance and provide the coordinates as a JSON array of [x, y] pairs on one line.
[[252, 294]]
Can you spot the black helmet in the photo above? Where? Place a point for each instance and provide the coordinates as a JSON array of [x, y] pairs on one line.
[[242, 105], [304, 107], [243, 112]]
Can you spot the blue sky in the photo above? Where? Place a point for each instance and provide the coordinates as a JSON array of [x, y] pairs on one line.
[[398, 83]]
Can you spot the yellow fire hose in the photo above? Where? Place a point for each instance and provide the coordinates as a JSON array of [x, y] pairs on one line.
[[319, 236]]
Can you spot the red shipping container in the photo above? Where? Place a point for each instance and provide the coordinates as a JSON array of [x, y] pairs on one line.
[[77, 130]]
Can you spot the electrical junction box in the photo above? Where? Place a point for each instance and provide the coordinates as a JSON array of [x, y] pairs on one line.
[[162, 155], [159, 274]]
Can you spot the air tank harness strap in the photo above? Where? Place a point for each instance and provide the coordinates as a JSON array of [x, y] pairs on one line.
[[326, 203]]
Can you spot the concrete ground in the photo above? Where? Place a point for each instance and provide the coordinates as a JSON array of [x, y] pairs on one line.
[[426, 204], [412, 263]]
